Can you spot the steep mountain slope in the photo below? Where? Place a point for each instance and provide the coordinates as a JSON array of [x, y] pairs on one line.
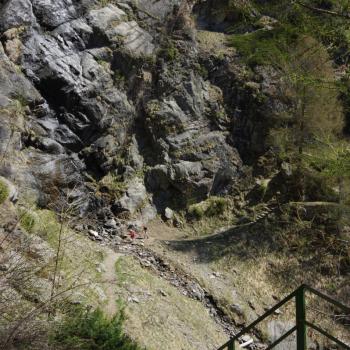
[[205, 113]]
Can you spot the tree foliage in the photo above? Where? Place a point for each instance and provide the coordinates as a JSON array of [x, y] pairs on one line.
[[310, 86], [331, 158], [301, 44]]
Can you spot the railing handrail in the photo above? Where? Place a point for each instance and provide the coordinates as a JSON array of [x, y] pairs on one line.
[[298, 292], [326, 297], [258, 320]]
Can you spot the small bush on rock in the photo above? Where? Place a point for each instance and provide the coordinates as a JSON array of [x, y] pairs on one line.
[[210, 207], [27, 221], [4, 192]]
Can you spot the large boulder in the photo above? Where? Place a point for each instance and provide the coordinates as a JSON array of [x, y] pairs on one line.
[[16, 13], [135, 39], [133, 199], [112, 22], [52, 13], [13, 83], [103, 18], [158, 178], [198, 160], [158, 10]]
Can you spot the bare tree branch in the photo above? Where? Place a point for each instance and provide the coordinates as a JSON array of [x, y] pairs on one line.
[[319, 10]]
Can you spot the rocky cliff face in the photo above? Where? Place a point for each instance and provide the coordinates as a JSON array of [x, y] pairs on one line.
[[132, 104]]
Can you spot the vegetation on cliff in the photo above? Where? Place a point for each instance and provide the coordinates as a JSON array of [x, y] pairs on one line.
[[4, 192]]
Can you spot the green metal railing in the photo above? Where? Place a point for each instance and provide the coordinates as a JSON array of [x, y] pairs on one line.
[[301, 321]]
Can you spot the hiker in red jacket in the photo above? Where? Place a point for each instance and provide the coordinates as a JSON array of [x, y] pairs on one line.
[[132, 234]]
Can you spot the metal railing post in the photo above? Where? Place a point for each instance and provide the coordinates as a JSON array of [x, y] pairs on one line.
[[301, 323], [300, 318]]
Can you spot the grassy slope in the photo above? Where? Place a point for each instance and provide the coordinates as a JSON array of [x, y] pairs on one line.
[[31, 255], [159, 316], [173, 321], [242, 267]]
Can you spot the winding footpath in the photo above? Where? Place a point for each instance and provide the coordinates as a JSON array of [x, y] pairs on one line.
[[186, 284]]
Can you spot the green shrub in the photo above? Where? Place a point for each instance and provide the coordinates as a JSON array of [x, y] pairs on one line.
[[4, 192], [265, 47], [210, 207], [172, 53], [92, 330], [217, 206], [196, 210], [169, 52], [27, 221]]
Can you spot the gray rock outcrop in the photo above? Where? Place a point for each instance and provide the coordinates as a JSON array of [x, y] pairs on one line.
[[116, 92]]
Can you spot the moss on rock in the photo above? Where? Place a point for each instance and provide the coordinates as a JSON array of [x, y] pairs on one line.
[[210, 207]]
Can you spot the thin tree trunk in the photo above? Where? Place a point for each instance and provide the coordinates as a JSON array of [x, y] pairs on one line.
[[302, 124], [57, 258], [341, 189], [301, 140]]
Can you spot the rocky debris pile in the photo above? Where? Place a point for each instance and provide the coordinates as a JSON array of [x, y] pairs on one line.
[[115, 232]]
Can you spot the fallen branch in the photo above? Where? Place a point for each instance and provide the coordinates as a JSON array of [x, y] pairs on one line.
[[327, 12]]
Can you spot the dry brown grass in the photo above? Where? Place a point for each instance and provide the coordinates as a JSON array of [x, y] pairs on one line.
[[213, 42]]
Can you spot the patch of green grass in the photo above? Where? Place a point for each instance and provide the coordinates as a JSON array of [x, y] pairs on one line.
[[104, 64], [43, 223], [119, 78], [264, 47], [4, 192], [17, 106], [27, 221], [211, 207], [104, 3], [122, 275], [201, 70], [78, 255], [170, 52], [92, 330]]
